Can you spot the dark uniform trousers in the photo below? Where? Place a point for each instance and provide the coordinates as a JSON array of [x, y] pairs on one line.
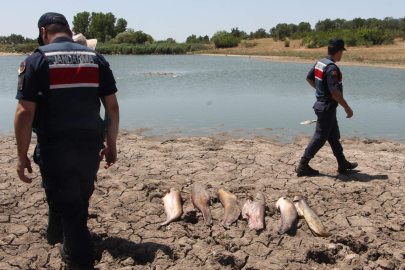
[[69, 169], [327, 129]]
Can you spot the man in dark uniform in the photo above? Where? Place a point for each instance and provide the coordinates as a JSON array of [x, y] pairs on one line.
[[326, 78], [59, 90]]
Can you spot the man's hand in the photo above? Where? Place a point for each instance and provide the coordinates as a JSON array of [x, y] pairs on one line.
[[337, 95], [349, 112], [22, 164], [110, 154]]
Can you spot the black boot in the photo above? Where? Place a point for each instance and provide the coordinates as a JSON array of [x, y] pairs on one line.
[[304, 169], [344, 165]]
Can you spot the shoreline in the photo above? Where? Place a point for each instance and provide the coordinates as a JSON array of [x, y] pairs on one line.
[[297, 60], [282, 137], [364, 209]]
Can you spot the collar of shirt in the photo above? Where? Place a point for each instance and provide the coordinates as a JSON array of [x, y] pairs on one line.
[[62, 39], [330, 58]]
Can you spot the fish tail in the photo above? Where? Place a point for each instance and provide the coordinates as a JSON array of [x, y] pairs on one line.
[[207, 215], [165, 223]]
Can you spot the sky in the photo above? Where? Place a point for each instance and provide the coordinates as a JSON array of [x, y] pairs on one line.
[[179, 19]]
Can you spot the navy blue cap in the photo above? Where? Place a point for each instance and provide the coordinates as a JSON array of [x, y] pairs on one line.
[[49, 18], [337, 43]]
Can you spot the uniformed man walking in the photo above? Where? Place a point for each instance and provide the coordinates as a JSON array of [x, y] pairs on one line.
[[326, 78], [59, 90]]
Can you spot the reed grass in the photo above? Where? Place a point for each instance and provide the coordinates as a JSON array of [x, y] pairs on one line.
[[154, 48]]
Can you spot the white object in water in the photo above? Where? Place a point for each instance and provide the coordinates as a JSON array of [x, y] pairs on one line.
[[308, 122]]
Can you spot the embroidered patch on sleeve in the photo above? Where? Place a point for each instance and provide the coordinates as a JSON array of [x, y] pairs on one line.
[[20, 82], [22, 67], [334, 73]]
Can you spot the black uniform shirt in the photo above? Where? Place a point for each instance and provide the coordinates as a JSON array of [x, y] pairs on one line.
[[34, 76]]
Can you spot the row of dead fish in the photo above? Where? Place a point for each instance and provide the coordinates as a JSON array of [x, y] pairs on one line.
[[253, 209]]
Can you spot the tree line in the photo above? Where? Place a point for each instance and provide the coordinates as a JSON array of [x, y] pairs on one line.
[[355, 32], [109, 30]]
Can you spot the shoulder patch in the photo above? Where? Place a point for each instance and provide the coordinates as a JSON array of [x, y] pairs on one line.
[[334, 73], [22, 67]]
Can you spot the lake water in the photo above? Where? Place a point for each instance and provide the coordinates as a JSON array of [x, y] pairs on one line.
[[238, 95]]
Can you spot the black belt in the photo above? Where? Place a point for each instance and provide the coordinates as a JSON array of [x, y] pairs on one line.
[[64, 138], [325, 100]]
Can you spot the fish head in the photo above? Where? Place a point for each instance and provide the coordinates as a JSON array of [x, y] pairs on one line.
[[280, 202], [298, 198]]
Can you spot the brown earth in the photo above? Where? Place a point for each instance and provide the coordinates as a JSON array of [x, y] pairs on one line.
[[381, 56], [364, 209]]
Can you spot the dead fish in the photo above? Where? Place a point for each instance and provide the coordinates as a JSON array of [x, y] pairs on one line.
[[288, 214], [173, 206], [231, 208], [308, 122], [201, 200], [253, 211], [310, 216]]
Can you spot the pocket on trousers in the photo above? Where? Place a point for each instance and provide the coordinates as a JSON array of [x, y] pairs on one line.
[[320, 106]]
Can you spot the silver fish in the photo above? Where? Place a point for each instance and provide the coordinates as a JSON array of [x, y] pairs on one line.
[[173, 206], [201, 200], [253, 211], [308, 122], [288, 214], [231, 208], [310, 216]]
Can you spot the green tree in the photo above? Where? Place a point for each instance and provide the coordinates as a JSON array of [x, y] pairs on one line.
[[325, 25], [191, 39], [171, 40], [260, 33], [15, 39], [121, 26], [339, 23], [81, 23], [102, 25], [238, 33], [374, 23], [304, 27]]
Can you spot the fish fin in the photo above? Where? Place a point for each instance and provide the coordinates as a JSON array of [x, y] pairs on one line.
[[321, 233]]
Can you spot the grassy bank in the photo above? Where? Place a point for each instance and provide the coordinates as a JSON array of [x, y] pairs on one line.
[[393, 54], [105, 48], [154, 48]]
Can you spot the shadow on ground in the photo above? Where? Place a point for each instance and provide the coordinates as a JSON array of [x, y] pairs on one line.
[[120, 248]]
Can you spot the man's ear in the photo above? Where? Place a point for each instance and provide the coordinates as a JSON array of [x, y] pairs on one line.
[[44, 33], [71, 33]]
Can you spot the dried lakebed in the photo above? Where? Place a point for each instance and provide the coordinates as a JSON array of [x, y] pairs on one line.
[[364, 209]]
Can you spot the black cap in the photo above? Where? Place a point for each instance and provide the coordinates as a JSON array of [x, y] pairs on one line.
[[337, 43], [49, 18]]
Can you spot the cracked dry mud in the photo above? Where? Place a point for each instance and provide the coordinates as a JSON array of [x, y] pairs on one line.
[[364, 209]]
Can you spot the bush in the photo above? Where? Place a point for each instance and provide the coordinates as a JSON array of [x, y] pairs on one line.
[[226, 42], [286, 43], [154, 48], [352, 37]]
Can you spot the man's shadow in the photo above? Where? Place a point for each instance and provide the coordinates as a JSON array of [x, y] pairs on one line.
[[142, 253], [355, 175]]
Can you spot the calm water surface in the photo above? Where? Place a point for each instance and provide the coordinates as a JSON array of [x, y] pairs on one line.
[[238, 95]]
